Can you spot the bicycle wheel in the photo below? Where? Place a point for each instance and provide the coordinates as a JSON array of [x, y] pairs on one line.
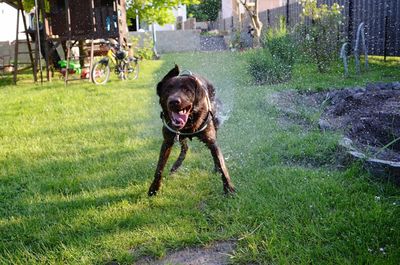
[[131, 69], [100, 73]]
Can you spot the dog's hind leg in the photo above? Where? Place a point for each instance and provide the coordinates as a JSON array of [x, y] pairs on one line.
[[182, 155]]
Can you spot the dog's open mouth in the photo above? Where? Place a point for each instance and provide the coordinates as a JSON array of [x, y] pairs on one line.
[[180, 118]]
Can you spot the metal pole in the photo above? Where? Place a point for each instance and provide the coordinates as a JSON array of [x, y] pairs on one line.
[[154, 40], [343, 55], [386, 28], [137, 20], [287, 13]]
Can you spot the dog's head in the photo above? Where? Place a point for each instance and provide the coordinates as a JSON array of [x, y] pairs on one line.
[[179, 97]]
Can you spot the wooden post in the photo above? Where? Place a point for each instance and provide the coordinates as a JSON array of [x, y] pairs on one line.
[[92, 42], [121, 21], [81, 45], [38, 58], [46, 46], [16, 49], [91, 60], [20, 7], [68, 21]]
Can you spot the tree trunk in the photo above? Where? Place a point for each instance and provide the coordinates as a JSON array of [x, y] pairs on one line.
[[252, 10]]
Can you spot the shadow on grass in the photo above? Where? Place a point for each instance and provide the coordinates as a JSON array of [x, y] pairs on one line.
[[6, 80], [79, 203], [74, 197]]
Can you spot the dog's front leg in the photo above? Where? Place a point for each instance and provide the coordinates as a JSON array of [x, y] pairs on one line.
[[162, 160], [182, 155], [220, 166]]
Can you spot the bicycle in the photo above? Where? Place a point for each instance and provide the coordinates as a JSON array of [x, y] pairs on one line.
[[126, 67]]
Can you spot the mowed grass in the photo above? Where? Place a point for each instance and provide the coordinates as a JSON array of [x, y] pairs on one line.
[[76, 162]]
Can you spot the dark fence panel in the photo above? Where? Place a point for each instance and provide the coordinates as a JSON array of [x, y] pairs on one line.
[[381, 19], [393, 30]]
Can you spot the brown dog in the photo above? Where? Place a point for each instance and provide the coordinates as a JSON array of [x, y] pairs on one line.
[[188, 110]]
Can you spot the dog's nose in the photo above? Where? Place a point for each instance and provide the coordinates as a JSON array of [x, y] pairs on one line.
[[174, 102]]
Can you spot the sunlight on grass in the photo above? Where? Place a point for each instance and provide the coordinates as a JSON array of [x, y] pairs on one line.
[[76, 162]]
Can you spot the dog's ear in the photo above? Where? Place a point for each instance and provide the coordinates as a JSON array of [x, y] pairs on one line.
[[172, 73]]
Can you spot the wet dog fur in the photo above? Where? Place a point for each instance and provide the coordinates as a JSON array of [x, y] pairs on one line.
[[189, 109]]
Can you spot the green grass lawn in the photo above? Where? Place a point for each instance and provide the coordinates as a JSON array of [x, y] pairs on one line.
[[76, 163]]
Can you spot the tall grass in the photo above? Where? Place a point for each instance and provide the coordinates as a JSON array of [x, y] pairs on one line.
[[76, 162]]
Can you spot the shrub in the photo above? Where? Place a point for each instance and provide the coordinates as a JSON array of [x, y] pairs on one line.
[[281, 44], [319, 34], [146, 50], [266, 68], [273, 63]]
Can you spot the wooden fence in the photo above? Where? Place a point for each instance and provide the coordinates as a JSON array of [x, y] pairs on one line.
[[381, 19]]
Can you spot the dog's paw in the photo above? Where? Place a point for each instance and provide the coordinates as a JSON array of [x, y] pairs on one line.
[[173, 170], [151, 193], [229, 190], [153, 190], [154, 187]]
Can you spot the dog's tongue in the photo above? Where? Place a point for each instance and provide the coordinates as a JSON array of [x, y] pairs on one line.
[[179, 120]]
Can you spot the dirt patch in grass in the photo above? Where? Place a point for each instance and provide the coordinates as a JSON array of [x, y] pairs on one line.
[[217, 254], [368, 117]]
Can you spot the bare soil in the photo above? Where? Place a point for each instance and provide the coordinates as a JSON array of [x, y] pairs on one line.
[[369, 116], [216, 254]]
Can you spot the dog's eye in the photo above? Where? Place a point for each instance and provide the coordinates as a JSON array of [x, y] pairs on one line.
[[188, 90]]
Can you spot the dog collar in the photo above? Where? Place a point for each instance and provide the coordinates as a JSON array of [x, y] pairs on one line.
[[185, 73], [178, 133]]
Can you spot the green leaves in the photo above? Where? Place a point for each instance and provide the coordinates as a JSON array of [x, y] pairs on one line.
[[206, 10], [156, 11]]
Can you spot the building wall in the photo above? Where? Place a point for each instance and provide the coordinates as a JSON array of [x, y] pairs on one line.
[[174, 41], [227, 8], [230, 7], [270, 4], [8, 22]]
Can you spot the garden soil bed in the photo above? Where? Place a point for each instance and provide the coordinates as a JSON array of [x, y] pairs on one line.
[[368, 117], [370, 120]]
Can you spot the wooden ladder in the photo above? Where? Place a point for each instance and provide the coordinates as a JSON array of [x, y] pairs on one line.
[[33, 62]]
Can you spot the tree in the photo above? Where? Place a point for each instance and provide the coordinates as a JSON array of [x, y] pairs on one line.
[[252, 11], [207, 10], [28, 4], [155, 11]]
